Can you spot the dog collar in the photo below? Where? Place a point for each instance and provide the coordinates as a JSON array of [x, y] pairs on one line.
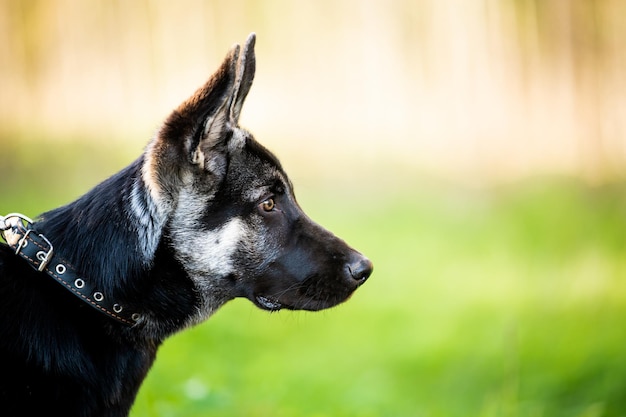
[[37, 250]]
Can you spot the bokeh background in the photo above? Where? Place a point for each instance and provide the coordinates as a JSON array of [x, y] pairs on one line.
[[475, 150]]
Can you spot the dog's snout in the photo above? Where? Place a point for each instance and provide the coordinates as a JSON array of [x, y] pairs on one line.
[[360, 268]]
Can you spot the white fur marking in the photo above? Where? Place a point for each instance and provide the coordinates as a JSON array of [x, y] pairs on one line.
[[205, 254], [238, 140], [147, 206], [149, 220], [207, 257], [215, 248], [148, 173]]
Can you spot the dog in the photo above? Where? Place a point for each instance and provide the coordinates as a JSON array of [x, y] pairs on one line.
[[206, 214]]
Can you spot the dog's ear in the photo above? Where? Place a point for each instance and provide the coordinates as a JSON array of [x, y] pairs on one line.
[[204, 123], [227, 117]]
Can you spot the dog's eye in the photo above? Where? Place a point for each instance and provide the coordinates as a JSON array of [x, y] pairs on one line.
[[268, 205]]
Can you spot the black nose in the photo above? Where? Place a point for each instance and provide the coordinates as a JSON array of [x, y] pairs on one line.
[[360, 268]]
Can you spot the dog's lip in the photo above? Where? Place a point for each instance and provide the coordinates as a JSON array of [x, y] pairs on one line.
[[267, 303]]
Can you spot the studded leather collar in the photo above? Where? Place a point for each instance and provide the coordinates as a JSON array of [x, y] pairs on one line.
[[38, 251]]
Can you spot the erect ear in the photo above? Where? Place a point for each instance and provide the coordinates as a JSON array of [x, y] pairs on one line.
[[216, 132], [203, 124]]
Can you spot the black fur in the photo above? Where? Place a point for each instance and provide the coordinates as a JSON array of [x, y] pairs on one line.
[[205, 215], [59, 355]]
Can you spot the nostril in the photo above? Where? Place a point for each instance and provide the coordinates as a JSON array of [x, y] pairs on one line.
[[361, 269]]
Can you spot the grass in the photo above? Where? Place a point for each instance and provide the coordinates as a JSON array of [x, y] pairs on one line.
[[502, 302]]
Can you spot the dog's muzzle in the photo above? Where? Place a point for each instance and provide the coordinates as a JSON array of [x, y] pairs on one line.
[[319, 292]]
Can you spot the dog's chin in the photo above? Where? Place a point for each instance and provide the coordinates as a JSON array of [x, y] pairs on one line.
[[272, 304]]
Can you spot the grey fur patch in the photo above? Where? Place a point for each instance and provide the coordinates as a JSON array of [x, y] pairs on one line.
[[149, 219], [238, 140], [207, 256]]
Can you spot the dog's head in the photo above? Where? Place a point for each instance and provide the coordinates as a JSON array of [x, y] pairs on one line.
[[234, 223]]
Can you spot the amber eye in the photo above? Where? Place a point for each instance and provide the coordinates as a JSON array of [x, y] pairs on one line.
[[268, 205]]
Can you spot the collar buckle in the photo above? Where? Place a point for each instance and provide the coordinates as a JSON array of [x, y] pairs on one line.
[[44, 256]]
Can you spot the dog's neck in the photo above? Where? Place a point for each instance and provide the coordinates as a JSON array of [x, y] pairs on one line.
[[101, 232], [113, 236]]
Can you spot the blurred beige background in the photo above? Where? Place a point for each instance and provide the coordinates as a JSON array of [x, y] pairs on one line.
[[474, 91]]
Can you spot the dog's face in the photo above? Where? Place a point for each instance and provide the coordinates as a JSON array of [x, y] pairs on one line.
[[234, 223]]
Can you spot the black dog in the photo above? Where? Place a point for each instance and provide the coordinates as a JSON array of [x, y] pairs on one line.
[[205, 215]]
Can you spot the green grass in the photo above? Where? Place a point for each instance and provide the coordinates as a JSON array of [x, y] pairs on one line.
[[505, 302]]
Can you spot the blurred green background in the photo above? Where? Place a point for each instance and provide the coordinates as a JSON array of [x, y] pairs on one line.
[[473, 149]]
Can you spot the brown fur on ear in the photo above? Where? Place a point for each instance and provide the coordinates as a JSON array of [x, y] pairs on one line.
[[196, 134], [176, 143]]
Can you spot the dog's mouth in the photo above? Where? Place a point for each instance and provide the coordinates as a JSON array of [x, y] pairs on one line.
[[267, 303], [272, 304]]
